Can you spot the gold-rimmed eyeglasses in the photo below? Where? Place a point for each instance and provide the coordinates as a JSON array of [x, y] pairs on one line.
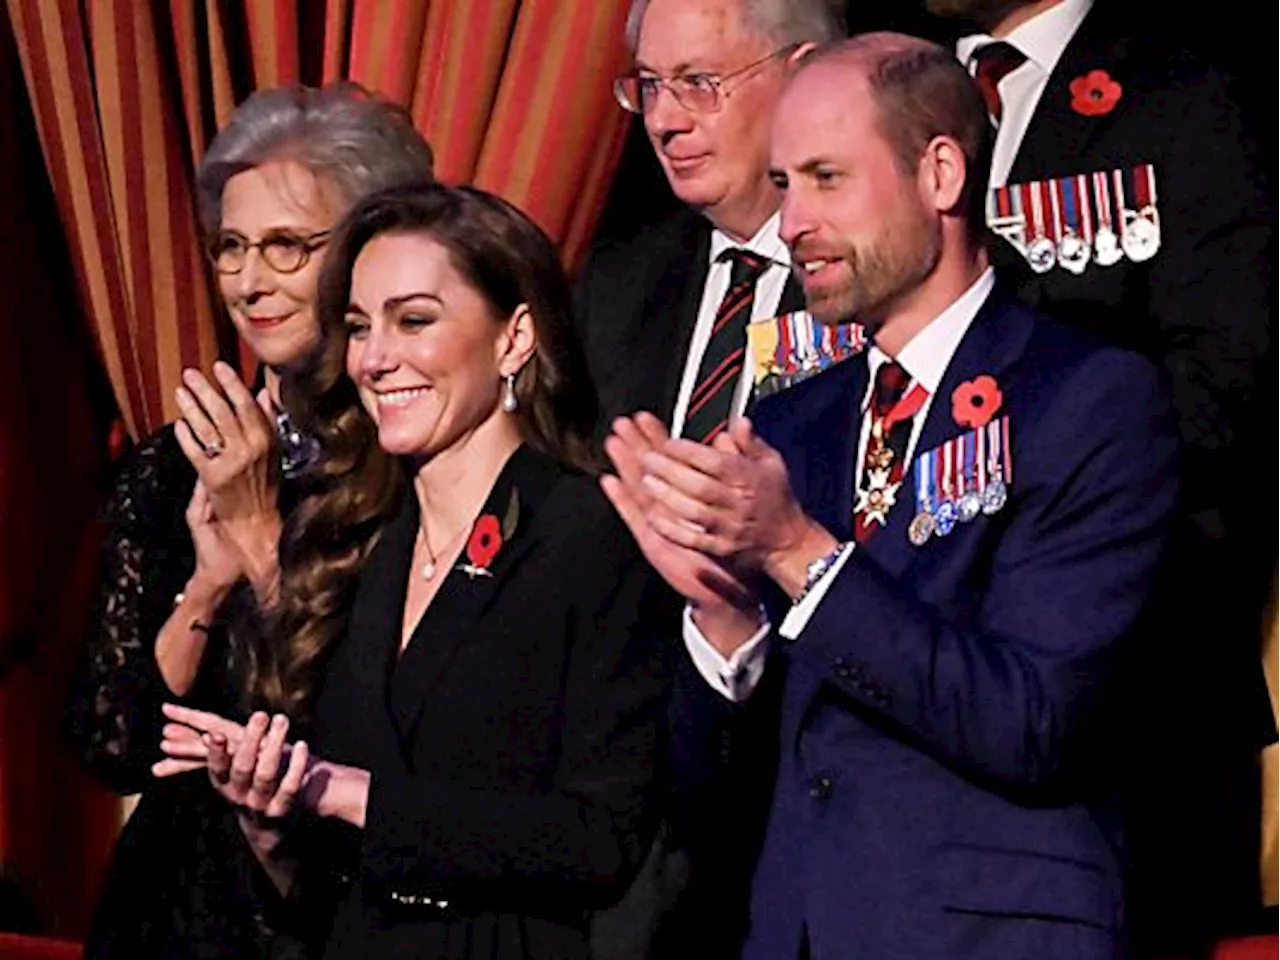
[[696, 91], [283, 251]]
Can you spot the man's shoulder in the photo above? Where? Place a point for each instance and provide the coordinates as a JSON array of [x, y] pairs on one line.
[[676, 235], [1146, 62], [1057, 353]]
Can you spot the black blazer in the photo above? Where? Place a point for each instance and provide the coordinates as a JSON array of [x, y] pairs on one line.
[[1202, 309], [637, 305], [514, 745]]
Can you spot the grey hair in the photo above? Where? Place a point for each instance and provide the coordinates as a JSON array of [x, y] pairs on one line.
[[779, 22], [357, 142]]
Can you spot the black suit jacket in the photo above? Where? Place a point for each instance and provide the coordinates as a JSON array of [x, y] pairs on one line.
[[1202, 309], [515, 745], [637, 305]]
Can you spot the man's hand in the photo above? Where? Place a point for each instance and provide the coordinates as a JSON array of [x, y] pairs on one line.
[[695, 576], [732, 501]]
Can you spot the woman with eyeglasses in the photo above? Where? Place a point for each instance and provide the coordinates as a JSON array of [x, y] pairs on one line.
[[195, 518]]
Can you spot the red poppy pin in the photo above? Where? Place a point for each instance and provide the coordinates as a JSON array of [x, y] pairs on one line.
[[487, 538], [1095, 93], [976, 401]]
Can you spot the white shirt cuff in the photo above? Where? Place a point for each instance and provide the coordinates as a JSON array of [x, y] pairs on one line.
[[735, 676], [797, 617]]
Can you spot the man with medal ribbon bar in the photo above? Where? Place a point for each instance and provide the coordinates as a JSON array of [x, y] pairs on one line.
[[1180, 267], [951, 721]]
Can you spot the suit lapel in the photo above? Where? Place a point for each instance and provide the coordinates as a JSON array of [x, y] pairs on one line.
[[830, 447], [373, 631], [1058, 136], [451, 618], [678, 295], [792, 295], [995, 339]]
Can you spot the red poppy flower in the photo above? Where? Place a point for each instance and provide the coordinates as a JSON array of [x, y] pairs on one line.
[[485, 542], [975, 402], [1095, 93]]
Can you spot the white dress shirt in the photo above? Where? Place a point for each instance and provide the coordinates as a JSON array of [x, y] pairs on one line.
[[925, 359], [1041, 40], [769, 288]]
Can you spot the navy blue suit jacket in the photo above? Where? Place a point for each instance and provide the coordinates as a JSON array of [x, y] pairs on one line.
[[952, 713]]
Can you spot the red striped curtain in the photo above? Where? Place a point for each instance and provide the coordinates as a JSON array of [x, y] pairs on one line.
[[513, 95]]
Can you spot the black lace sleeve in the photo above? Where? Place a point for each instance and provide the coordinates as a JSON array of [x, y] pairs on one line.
[[114, 716]]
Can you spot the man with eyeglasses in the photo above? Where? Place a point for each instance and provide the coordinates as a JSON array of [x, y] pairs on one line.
[[663, 315], [664, 312]]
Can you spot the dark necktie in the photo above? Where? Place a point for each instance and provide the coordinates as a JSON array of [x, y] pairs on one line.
[[712, 399], [992, 64], [892, 412]]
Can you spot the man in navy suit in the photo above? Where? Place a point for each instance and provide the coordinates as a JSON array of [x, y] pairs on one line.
[[943, 546]]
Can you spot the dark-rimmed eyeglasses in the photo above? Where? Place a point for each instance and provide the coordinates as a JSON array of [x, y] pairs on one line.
[[284, 252], [696, 92]]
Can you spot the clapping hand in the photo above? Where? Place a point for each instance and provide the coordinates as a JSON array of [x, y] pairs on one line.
[[228, 437], [252, 766], [691, 573], [257, 770], [218, 562], [731, 500]]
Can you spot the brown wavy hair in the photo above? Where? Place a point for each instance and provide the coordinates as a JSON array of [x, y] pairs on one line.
[[357, 142], [509, 261]]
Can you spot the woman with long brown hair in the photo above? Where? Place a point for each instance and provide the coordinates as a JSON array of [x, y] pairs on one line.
[[482, 768]]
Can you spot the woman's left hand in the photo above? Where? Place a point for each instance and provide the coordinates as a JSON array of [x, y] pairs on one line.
[[230, 440]]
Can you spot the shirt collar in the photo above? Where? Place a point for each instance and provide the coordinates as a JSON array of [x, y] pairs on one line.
[[928, 354], [1042, 39], [766, 243]]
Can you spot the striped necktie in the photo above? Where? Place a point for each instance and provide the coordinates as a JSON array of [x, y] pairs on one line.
[[711, 402]]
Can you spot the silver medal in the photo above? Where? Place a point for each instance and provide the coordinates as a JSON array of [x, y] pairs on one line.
[[1106, 249], [994, 496], [1073, 253], [944, 518], [1042, 255], [1141, 238], [969, 506]]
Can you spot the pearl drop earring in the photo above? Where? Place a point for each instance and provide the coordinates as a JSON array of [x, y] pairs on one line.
[[509, 401]]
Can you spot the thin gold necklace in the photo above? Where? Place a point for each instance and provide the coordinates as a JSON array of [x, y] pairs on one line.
[[431, 567]]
